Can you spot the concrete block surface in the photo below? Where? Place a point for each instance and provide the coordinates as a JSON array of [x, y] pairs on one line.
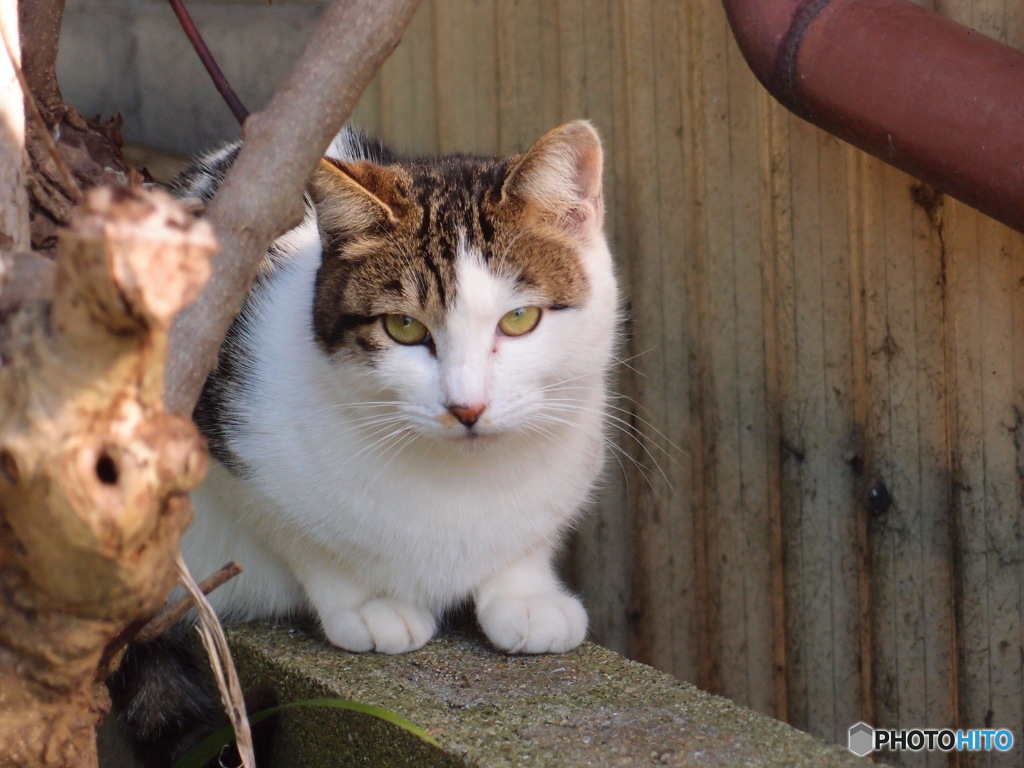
[[589, 707]]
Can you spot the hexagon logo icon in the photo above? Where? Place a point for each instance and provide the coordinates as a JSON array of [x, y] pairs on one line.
[[861, 739]]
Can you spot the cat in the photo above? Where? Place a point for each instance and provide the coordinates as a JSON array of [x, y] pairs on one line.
[[409, 412]]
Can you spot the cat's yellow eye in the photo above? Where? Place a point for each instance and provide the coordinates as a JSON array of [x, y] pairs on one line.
[[519, 321], [405, 329]]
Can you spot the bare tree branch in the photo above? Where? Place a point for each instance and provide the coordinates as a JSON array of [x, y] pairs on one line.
[[40, 34], [174, 613], [261, 197]]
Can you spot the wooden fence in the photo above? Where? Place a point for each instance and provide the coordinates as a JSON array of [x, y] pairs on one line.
[[825, 369], [824, 376]]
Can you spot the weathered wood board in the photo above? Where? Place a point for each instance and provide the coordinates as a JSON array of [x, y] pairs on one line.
[[806, 326], [809, 331]]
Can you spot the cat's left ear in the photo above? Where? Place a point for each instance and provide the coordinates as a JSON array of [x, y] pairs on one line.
[[354, 196], [560, 178]]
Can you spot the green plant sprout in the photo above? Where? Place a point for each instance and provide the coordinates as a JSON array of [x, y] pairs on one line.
[[210, 747]]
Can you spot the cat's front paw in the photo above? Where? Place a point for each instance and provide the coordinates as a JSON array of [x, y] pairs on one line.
[[545, 623], [380, 625]]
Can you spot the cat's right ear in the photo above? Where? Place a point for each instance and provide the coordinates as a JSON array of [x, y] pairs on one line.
[[352, 197], [559, 178]]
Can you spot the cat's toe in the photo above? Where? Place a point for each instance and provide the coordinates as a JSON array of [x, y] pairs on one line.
[[346, 629], [550, 623], [380, 625], [397, 627]]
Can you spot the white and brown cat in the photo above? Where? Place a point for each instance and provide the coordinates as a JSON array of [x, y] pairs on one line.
[[410, 410]]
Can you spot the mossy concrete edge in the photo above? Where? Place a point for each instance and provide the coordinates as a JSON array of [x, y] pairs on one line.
[[589, 707]]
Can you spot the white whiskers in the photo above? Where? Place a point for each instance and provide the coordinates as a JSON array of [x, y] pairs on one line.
[[642, 433]]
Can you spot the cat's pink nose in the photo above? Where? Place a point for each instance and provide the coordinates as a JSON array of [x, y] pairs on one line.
[[467, 414]]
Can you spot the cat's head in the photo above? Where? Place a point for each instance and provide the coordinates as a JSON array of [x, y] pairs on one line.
[[477, 295]]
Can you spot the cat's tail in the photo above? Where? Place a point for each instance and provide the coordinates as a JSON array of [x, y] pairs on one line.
[[163, 701]]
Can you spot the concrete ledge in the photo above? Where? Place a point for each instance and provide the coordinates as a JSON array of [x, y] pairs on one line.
[[589, 707]]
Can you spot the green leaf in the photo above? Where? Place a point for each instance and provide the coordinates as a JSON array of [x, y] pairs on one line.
[[211, 746]]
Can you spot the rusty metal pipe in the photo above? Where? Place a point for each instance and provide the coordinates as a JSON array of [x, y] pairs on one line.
[[931, 97]]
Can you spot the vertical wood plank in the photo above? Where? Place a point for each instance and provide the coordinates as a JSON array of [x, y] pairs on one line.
[[673, 49], [587, 60], [528, 76], [839, 437], [1000, 251], [986, 306], [968, 462], [858, 194], [465, 37], [741, 619], [776, 259], [719, 463], [987, 451], [933, 655], [408, 89], [1003, 415], [818, 443], [366, 115], [907, 449], [800, 325], [666, 633], [727, 129]]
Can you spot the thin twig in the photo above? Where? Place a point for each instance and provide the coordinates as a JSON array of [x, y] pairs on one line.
[[67, 179], [173, 613], [142, 631], [219, 80], [212, 635]]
